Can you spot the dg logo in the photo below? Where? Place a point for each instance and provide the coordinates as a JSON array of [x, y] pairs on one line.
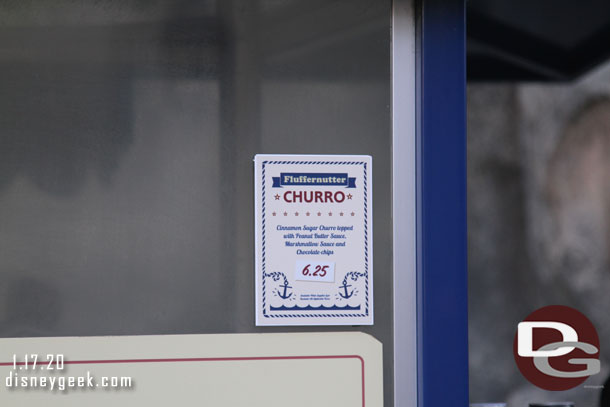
[[556, 348]]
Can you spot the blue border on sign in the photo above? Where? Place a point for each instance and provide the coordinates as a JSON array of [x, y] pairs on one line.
[[366, 241]]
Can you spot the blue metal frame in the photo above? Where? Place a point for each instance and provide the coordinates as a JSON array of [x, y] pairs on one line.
[[442, 247]]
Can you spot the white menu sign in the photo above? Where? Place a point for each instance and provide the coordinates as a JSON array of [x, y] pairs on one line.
[[255, 370], [314, 257]]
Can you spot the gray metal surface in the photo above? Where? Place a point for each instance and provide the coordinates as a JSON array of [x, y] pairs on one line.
[[404, 210]]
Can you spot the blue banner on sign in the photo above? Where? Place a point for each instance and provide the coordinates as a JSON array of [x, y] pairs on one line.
[[300, 179]]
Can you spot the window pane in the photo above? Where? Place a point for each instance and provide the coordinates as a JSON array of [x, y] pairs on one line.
[[127, 133]]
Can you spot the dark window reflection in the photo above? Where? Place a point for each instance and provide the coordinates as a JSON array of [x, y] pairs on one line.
[[127, 131]]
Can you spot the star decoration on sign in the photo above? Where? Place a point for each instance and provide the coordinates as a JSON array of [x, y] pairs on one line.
[[349, 196], [277, 197]]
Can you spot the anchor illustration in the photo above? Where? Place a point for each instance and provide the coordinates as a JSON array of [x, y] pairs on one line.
[[353, 275], [345, 286], [276, 275], [285, 296]]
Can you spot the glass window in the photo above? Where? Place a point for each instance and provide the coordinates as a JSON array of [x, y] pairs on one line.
[[127, 135]]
